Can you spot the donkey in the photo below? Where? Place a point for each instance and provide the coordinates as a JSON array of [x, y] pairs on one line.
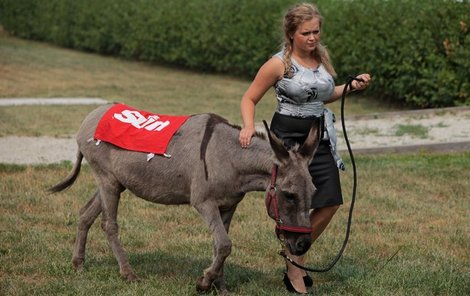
[[208, 169]]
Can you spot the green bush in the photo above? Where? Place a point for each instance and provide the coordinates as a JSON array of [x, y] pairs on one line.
[[415, 50]]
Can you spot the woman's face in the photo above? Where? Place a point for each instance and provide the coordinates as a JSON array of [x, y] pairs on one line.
[[307, 35]]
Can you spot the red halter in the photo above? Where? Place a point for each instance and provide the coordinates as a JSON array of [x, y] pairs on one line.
[[271, 202]]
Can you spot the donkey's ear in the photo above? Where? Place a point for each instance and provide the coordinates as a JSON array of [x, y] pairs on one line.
[[278, 147], [311, 143]]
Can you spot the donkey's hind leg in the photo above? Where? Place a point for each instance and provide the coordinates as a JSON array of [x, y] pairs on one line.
[[110, 193], [88, 215]]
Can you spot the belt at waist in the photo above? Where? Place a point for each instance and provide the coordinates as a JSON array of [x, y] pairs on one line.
[[289, 128]]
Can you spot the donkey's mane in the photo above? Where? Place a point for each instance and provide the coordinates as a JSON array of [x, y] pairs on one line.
[[212, 122]]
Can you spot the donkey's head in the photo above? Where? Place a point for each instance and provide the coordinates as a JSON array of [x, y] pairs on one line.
[[289, 196]]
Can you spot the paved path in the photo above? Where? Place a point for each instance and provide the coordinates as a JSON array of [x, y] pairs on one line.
[[32, 150], [444, 130]]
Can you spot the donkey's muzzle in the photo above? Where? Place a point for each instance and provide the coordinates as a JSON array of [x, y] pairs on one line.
[[302, 245]]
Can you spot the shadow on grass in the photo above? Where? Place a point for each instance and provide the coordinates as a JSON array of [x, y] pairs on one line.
[[177, 267]]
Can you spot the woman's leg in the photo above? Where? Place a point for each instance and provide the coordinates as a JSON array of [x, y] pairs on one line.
[[296, 274], [319, 219]]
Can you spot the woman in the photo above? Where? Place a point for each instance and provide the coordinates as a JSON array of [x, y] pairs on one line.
[[302, 76]]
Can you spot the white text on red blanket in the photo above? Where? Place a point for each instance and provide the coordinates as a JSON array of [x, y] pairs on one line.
[[139, 121]]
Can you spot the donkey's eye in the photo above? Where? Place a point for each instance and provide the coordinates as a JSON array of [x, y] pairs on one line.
[[289, 196]]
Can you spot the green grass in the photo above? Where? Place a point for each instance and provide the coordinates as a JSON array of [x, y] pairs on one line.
[[413, 130], [367, 131], [410, 236], [410, 228]]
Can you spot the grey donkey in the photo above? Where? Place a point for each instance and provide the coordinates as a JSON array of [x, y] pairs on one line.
[[208, 169]]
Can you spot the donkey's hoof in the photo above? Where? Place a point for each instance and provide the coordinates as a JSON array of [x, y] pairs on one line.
[[78, 263], [131, 277], [202, 285]]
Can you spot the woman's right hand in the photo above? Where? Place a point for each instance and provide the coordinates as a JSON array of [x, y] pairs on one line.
[[245, 136]]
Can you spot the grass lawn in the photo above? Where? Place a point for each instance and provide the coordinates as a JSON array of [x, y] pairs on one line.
[[410, 236]]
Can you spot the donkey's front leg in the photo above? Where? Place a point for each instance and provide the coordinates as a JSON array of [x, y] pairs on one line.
[[226, 215], [222, 245]]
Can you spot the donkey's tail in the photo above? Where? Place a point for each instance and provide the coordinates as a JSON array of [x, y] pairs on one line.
[[70, 179]]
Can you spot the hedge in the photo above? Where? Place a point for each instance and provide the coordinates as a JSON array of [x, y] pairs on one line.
[[415, 50]]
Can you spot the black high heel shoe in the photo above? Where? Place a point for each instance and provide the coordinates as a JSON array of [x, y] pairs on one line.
[[289, 286], [308, 281]]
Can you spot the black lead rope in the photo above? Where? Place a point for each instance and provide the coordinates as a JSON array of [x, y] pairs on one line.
[[353, 197]]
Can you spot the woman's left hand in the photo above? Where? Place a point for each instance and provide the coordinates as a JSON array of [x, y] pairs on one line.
[[360, 85]]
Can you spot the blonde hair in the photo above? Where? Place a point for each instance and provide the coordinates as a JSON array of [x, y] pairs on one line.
[[294, 17]]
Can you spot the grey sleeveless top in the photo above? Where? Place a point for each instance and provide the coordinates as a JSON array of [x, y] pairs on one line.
[[303, 94]]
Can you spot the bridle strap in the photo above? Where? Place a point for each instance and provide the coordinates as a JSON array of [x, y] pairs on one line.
[[296, 229], [273, 176]]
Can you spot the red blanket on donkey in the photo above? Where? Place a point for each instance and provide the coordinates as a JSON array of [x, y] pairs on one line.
[[137, 130]]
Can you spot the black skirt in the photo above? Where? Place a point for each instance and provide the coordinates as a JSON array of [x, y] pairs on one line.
[[323, 169]]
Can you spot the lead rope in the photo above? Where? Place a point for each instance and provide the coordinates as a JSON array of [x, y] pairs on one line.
[[353, 196]]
